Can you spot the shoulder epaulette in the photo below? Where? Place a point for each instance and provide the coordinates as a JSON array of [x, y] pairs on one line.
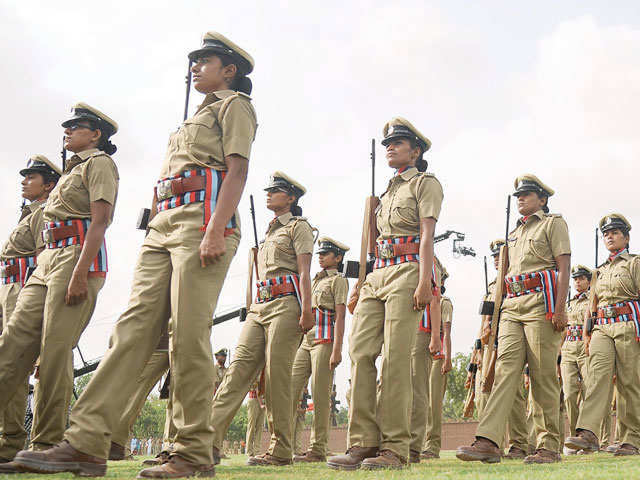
[[553, 215], [227, 101]]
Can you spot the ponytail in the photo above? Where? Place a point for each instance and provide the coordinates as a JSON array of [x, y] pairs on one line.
[[421, 165], [296, 210], [107, 147], [242, 84]]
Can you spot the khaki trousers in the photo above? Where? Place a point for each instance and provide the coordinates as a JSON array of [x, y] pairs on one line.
[[298, 427], [42, 324], [384, 320], [153, 371], [14, 434], [480, 397], [437, 388], [255, 425], [520, 341], [312, 360], [168, 282], [574, 377], [170, 431], [613, 349], [270, 338], [517, 430]]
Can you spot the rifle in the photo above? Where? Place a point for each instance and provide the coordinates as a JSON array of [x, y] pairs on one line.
[[593, 299], [369, 230], [145, 213], [63, 155], [489, 361], [253, 262]]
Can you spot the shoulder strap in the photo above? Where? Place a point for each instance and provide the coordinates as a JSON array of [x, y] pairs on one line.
[[227, 101]]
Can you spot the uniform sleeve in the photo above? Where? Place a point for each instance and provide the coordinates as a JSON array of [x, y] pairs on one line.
[[238, 128], [429, 196], [302, 238], [36, 225], [446, 310], [102, 179], [559, 237], [635, 273], [340, 289]]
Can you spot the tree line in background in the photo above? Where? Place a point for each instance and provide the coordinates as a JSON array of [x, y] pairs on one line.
[[150, 423]]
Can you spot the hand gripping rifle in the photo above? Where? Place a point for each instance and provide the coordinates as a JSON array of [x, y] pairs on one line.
[[489, 361], [145, 213], [476, 354], [369, 233]]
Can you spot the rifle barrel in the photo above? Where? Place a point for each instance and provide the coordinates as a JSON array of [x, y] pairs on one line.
[[186, 98], [253, 217], [596, 265], [506, 234], [373, 167], [486, 277]]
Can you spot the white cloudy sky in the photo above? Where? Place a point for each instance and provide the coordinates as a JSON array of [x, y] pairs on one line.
[[501, 88]]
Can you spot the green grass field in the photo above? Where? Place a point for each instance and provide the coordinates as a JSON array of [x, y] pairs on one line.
[[598, 466]]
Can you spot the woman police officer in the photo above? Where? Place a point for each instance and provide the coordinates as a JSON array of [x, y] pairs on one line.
[[182, 266], [613, 345]]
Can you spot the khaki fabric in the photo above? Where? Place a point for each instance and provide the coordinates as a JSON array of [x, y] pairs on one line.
[[605, 428], [218, 375], [613, 349], [26, 238], [329, 289], [446, 307], [422, 363], [155, 368], [517, 434], [12, 428], [481, 397], [42, 324], [410, 196], [287, 237], [521, 341], [437, 388], [574, 363], [170, 431], [270, 337], [204, 140], [384, 321], [89, 176], [298, 427], [168, 282], [533, 246], [255, 423], [618, 281], [312, 359]]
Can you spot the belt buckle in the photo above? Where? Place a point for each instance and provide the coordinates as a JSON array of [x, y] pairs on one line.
[[386, 251], [517, 286], [47, 236], [609, 312], [264, 293], [164, 190]]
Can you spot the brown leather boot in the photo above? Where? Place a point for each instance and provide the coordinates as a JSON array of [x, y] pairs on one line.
[[612, 448], [625, 449], [481, 450], [386, 460], [352, 459], [309, 457], [542, 455], [116, 452], [515, 453], [61, 458], [584, 440], [414, 457], [429, 455], [268, 460], [8, 468], [162, 457], [178, 467]]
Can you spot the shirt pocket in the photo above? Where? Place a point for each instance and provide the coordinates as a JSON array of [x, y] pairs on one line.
[[622, 279], [405, 211], [283, 250], [540, 249], [197, 129]]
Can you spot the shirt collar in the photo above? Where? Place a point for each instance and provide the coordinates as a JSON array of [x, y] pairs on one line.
[[624, 254], [35, 205], [579, 296], [78, 158], [539, 214], [215, 97], [284, 218], [408, 174]]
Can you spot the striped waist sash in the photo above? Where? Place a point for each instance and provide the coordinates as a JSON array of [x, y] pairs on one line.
[[574, 333], [253, 394], [100, 266], [325, 321], [544, 281], [278, 287], [620, 312], [393, 251], [14, 270], [168, 198]]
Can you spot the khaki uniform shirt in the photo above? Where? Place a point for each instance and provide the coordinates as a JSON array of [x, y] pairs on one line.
[[287, 237], [534, 246], [26, 238], [90, 175], [204, 140], [410, 196], [329, 289], [578, 307], [446, 309], [618, 280], [218, 374]]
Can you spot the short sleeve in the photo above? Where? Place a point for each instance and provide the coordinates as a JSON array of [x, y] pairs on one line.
[[429, 197], [340, 289], [635, 273], [36, 225], [559, 237], [447, 310], [302, 238], [102, 179], [238, 128]]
